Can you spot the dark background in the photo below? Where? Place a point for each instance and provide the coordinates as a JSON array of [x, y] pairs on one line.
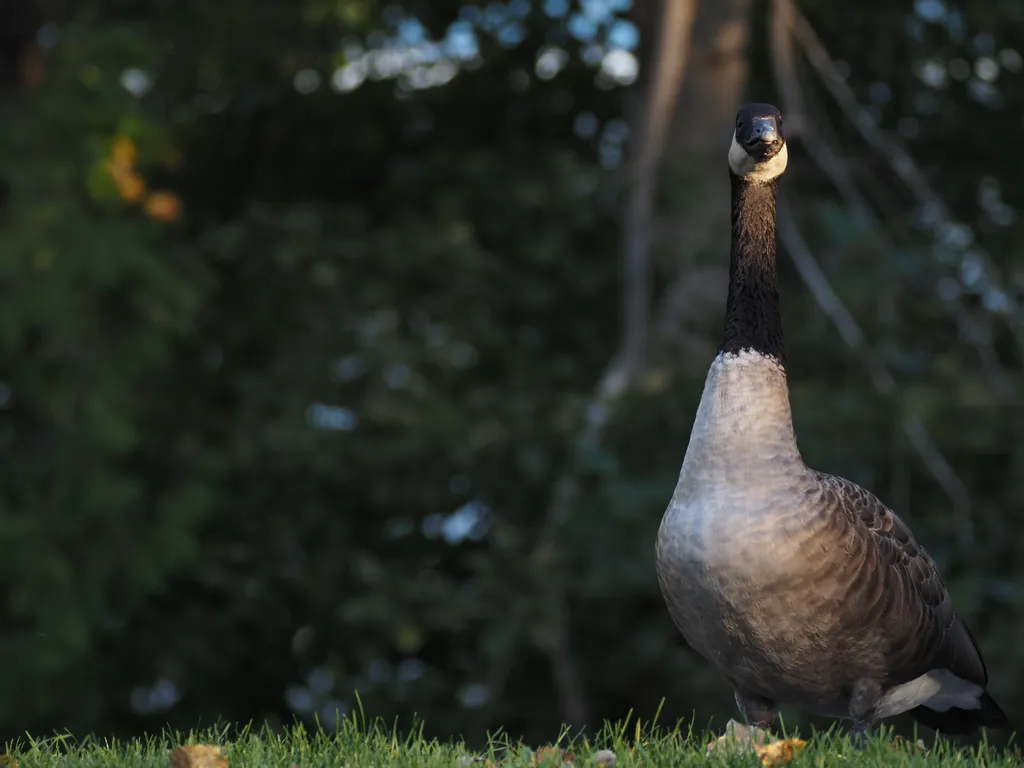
[[328, 361]]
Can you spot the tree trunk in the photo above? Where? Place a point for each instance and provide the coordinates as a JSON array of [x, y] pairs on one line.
[[691, 232]]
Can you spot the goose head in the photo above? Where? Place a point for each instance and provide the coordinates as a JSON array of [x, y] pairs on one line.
[[758, 153]]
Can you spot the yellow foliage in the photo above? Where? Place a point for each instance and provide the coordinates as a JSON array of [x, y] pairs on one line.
[[160, 205], [120, 165], [163, 206], [130, 185], [122, 153]]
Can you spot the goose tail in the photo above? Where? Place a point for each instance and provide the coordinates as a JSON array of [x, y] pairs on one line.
[[962, 721]]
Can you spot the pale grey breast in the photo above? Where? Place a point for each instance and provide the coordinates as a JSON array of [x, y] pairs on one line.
[[746, 552]]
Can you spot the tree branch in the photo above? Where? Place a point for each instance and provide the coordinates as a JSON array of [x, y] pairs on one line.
[[651, 123], [784, 67], [936, 214], [837, 170], [668, 70]]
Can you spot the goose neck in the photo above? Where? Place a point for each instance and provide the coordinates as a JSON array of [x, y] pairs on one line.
[[752, 319]]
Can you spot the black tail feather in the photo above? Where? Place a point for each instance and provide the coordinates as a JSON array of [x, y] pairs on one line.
[[962, 721]]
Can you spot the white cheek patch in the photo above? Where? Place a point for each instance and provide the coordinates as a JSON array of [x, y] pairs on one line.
[[740, 162], [744, 166]]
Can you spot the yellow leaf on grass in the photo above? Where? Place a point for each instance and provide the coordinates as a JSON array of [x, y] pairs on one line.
[[8, 760], [553, 754], [738, 735], [198, 756], [779, 752]]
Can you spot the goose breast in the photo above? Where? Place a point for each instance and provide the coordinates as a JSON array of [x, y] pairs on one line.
[[776, 589]]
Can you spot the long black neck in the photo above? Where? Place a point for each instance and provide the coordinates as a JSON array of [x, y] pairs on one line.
[[752, 318]]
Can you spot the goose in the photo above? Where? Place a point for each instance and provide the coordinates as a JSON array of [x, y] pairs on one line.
[[799, 587]]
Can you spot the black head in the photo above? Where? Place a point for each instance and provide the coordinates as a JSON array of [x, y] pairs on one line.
[[758, 151]]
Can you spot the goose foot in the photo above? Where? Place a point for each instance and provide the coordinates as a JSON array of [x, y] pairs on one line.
[[859, 734], [757, 711], [864, 700]]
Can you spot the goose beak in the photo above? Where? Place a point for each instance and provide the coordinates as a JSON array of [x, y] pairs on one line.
[[764, 131], [764, 141]]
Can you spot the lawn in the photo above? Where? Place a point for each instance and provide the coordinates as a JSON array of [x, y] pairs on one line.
[[352, 744]]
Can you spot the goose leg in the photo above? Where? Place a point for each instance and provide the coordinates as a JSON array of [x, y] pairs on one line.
[[859, 734], [863, 703], [758, 711]]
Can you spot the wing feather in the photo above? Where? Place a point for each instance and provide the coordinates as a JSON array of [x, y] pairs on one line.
[[928, 633]]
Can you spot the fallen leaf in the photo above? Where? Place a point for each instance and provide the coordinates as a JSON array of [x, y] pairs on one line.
[[8, 760], [748, 738], [739, 735], [779, 752], [198, 756], [899, 742], [555, 754]]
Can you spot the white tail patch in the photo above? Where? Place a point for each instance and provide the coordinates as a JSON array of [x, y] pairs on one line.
[[938, 689]]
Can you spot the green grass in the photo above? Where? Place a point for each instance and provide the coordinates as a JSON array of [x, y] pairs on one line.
[[352, 744]]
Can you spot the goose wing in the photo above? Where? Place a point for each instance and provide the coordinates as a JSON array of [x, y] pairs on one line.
[[912, 603]]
